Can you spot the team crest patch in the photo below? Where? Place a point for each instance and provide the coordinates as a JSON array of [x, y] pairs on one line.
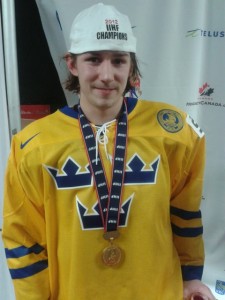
[[170, 120]]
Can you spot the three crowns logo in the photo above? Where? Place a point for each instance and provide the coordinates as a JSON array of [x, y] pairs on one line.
[[71, 176]]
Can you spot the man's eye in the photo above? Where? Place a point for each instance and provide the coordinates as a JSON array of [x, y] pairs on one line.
[[118, 61], [93, 59]]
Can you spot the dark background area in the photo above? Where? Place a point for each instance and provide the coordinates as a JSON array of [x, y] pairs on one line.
[[38, 79]]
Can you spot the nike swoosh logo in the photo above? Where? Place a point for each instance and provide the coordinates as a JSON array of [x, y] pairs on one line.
[[22, 145]]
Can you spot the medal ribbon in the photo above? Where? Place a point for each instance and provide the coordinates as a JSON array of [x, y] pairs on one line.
[[109, 199]]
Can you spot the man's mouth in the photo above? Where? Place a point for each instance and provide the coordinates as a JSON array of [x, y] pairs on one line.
[[105, 90]]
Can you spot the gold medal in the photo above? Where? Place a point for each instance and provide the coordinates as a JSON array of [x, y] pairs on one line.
[[112, 255]]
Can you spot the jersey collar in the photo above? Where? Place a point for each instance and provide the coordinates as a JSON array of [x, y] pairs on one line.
[[73, 113]]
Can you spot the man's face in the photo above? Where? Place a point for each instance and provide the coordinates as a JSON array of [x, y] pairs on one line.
[[103, 78]]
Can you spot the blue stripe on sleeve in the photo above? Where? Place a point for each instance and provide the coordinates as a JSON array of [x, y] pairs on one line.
[[192, 272], [185, 214], [29, 270], [22, 251], [187, 232]]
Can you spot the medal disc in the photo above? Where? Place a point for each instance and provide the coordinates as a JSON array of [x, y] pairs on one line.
[[112, 255]]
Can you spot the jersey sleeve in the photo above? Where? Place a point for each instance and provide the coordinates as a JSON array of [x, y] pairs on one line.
[[186, 220], [24, 236]]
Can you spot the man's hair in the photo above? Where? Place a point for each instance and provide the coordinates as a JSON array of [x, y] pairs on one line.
[[72, 83]]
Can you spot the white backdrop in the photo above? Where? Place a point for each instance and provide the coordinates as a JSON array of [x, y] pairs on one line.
[[181, 49]]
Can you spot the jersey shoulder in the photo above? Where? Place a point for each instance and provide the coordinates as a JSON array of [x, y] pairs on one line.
[[51, 129], [169, 118]]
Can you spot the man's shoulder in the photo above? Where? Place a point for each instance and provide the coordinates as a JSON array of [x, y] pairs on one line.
[[47, 130], [169, 117], [36, 126], [160, 110]]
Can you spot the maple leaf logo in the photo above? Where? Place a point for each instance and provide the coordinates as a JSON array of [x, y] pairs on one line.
[[205, 90]]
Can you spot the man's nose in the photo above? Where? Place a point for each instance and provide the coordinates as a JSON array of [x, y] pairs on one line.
[[106, 71]]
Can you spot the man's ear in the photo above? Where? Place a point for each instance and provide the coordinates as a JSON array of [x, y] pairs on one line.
[[71, 64]]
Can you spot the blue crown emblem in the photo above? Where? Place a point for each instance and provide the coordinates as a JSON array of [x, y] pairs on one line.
[[71, 176], [93, 220], [137, 174]]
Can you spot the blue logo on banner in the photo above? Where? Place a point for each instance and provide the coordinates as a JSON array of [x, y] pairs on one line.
[[220, 287]]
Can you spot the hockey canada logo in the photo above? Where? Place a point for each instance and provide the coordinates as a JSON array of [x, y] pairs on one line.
[[206, 90], [206, 97]]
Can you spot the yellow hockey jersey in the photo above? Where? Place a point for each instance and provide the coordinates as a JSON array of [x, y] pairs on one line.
[[52, 230]]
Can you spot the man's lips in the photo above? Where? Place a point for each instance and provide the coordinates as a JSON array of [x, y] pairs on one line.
[[105, 90]]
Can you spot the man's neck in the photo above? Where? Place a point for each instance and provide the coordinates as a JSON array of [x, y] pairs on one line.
[[99, 116]]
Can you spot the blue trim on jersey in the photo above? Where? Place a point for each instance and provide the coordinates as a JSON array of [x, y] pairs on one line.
[[187, 232], [29, 270], [131, 103], [192, 272], [185, 214], [71, 112], [22, 251]]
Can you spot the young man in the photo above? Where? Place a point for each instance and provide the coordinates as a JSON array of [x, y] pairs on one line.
[[102, 199]]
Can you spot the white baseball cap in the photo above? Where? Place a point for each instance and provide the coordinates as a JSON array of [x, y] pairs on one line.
[[101, 27]]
